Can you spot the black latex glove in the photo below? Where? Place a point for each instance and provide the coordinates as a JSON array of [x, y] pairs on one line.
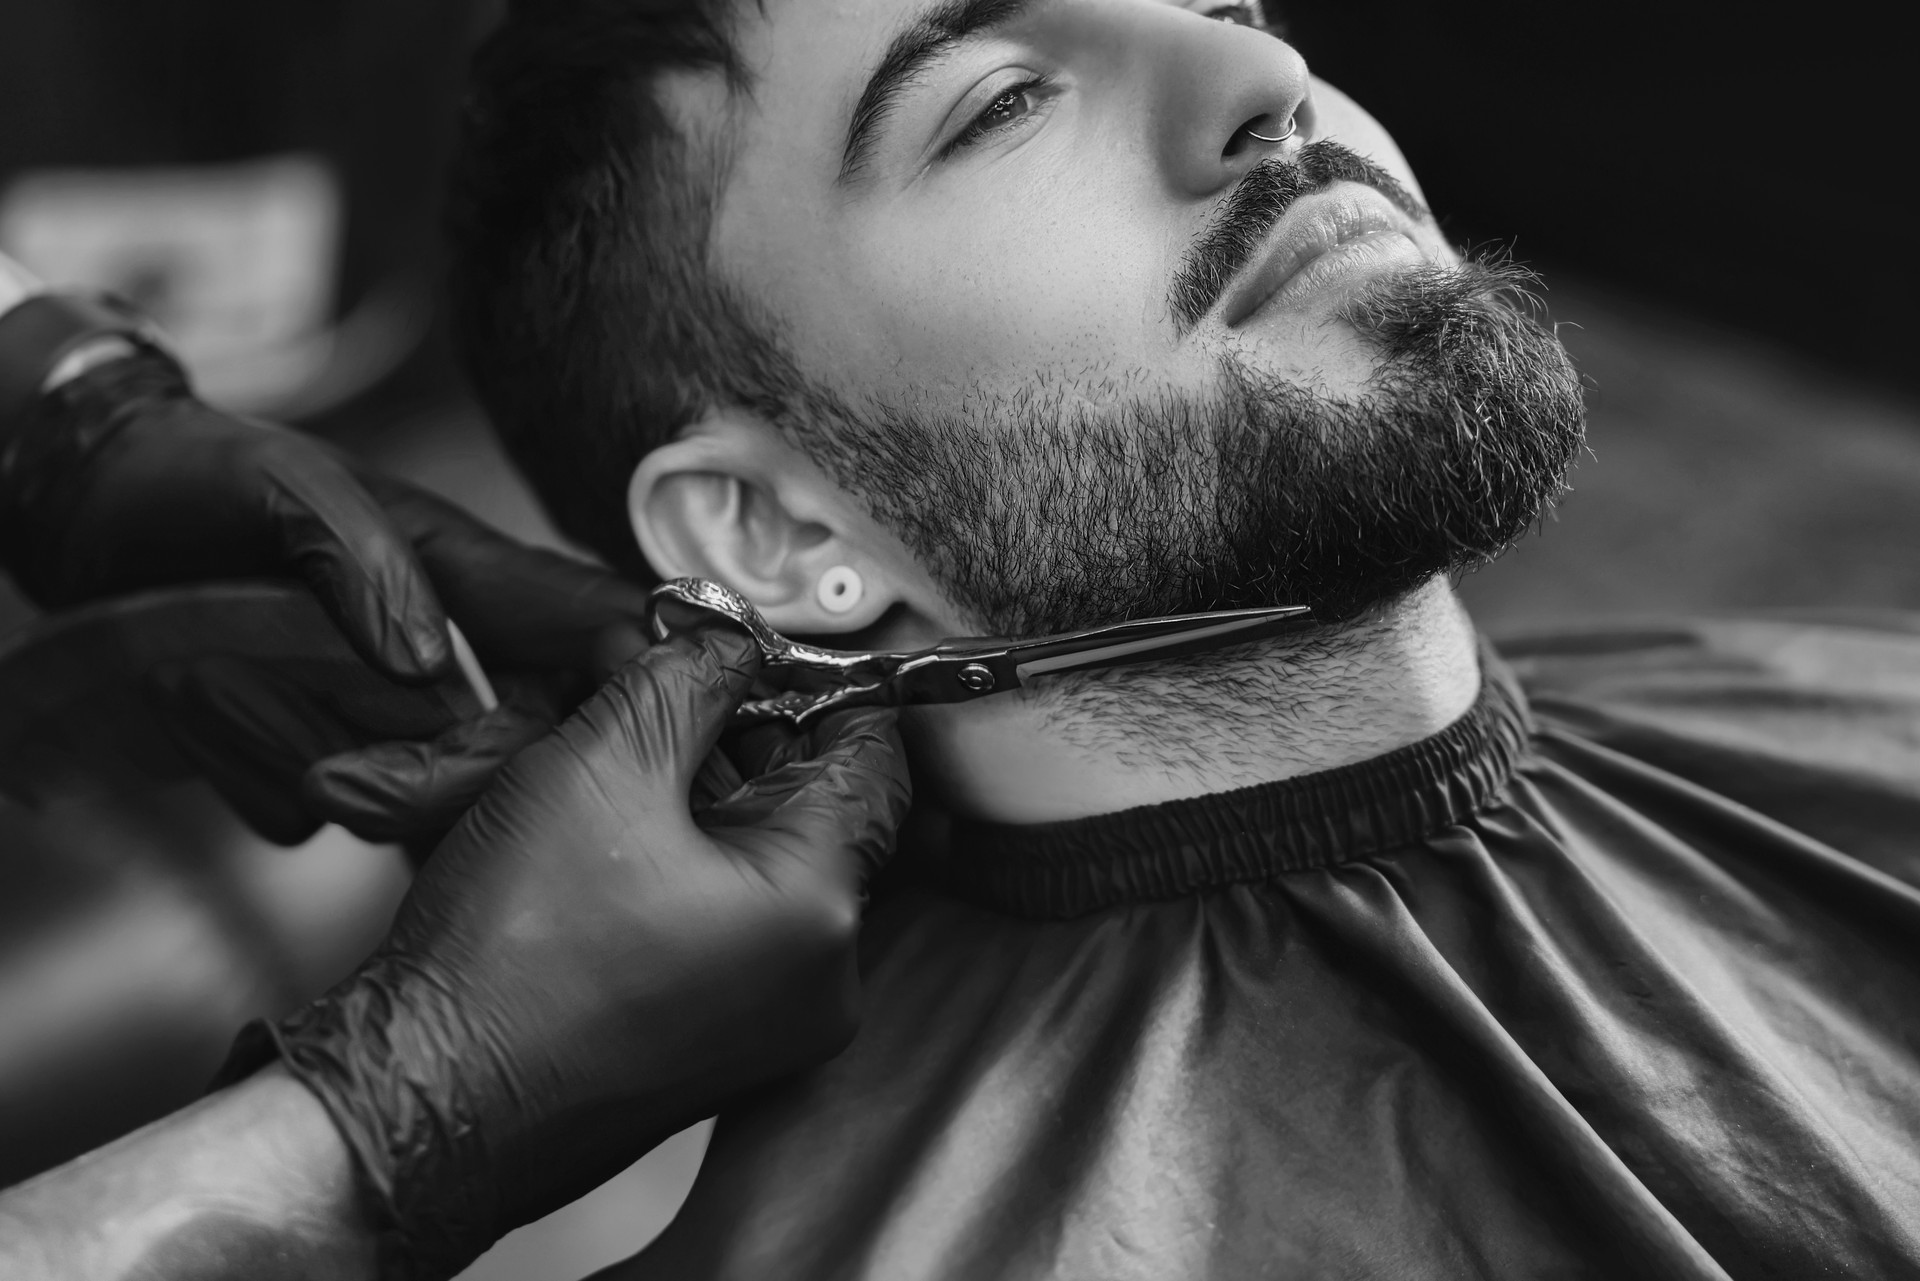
[[288, 758], [121, 480], [124, 480], [583, 969]]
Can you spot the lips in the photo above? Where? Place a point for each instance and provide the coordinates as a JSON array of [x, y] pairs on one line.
[[1322, 238]]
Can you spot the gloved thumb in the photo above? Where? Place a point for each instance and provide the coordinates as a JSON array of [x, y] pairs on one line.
[[838, 810], [664, 711]]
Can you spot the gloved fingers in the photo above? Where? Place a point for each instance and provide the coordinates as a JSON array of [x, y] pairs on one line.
[[764, 748], [251, 735], [661, 714], [837, 811], [851, 734], [332, 532], [405, 790], [521, 606]]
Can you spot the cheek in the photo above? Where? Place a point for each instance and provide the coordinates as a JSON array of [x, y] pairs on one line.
[[1064, 271]]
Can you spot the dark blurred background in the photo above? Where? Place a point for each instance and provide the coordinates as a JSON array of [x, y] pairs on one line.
[[1711, 196]]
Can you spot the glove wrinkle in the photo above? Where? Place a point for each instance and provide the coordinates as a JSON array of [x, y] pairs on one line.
[[344, 545]]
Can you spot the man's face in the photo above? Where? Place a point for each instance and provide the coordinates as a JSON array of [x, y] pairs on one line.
[[1026, 201], [1120, 314]]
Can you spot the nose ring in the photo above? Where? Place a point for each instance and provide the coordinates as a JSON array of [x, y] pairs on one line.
[[1293, 127]]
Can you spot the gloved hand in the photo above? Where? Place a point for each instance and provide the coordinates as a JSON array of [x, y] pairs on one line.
[[547, 628], [289, 757], [584, 968], [123, 480]]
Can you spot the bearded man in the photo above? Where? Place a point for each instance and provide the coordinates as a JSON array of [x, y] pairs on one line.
[[1335, 956]]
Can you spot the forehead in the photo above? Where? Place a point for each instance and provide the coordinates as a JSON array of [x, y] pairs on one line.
[[805, 61]]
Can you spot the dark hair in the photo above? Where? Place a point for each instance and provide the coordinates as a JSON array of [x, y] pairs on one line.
[[582, 306]]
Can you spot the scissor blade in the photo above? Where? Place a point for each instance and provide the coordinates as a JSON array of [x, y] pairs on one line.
[[1155, 638]]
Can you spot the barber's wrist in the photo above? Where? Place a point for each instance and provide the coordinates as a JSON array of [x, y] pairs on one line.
[[253, 1182], [279, 1190]]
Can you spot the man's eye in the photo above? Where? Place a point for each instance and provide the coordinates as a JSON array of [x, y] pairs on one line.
[[1004, 112], [1244, 13]]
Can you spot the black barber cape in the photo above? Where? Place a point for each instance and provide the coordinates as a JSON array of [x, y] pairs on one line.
[[1618, 977]]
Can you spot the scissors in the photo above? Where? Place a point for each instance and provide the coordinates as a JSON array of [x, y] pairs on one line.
[[817, 681]]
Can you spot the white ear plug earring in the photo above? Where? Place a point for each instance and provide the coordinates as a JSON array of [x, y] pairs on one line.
[[839, 590]]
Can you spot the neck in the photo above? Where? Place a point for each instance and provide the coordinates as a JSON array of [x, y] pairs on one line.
[[1099, 742]]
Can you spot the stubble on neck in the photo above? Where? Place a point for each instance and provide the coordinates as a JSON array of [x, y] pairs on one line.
[[1099, 742]]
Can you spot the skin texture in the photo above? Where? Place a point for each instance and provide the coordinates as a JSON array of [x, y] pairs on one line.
[[1041, 254]]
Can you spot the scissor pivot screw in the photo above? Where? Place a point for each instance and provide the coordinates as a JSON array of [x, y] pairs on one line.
[[976, 677]]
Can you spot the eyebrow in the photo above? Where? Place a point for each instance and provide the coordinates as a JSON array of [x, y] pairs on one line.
[[932, 34]]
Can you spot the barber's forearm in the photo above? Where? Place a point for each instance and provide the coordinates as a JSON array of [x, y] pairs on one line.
[[251, 1182], [17, 284]]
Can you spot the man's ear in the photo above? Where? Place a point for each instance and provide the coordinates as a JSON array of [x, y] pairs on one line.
[[731, 501]]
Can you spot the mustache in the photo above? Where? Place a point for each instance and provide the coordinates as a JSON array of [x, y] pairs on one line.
[[1249, 213]]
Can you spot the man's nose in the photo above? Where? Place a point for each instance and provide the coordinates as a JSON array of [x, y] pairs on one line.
[[1221, 93]]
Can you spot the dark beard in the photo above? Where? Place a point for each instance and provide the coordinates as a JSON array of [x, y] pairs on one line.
[[1037, 517]]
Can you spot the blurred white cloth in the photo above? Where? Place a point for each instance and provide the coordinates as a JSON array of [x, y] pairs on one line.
[[237, 263]]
